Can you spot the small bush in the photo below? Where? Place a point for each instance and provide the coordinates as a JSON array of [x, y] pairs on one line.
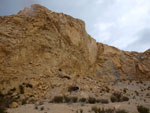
[[21, 89], [91, 100], [142, 109], [24, 102], [58, 99], [118, 97], [42, 108], [117, 94], [82, 100], [67, 99], [124, 98], [95, 109], [113, 99], [102, 110], [104, 101], [36, 107], [81, 110], [74, 99]]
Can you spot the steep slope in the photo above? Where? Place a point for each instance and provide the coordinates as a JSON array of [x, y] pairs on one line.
[[37, 42]]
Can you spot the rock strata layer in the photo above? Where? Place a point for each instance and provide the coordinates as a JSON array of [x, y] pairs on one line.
[[38, 42]]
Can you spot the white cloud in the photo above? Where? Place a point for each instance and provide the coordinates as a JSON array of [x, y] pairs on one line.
[[114, 22]]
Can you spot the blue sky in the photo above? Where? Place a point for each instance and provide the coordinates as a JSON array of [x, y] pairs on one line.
[[121, 23]]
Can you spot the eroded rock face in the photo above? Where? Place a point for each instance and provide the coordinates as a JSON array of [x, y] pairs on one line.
[[37, 42]]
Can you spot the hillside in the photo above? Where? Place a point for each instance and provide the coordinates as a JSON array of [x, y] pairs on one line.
[[52, 51]]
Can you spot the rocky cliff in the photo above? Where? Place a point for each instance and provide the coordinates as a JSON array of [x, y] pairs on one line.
[[38, 42]]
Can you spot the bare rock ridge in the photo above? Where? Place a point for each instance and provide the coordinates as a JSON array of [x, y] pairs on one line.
[[38, 42]]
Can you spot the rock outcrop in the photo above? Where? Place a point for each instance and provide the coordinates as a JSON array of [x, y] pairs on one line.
[[38, 42]]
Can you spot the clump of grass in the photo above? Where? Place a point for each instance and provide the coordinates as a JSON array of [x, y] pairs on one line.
[[24, 101], [113, 99], [42, 108], [91, 100], [21, 89], [81, 110], [142, 109], [58, 99], [82, 99], [124, 98], [74, 99], [102, 110], [36, 107], [70, 99], [67, 99], [118, 97], [104, 101]]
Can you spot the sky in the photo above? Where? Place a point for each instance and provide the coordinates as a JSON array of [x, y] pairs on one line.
[[124, 24]]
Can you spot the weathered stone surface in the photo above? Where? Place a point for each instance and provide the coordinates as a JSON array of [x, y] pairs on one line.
[[14, 105], [36, 42]]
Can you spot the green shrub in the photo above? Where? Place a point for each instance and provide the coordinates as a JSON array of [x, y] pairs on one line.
[[124, 98], [21, 89], [74, 99], [24, 102], [118, 97], [36, 107], [113, 99], [58, 99], [67, 99], [42, 108], [82, 100], [142, 109], [102, 110], [95, 109], [104, 101], [91, 100], [81, 110]]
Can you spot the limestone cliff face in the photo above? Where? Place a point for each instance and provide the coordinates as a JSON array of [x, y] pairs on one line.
[[37, 42]]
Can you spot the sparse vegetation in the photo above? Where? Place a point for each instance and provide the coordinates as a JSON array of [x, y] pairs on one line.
[[2, 103], [82, 100], [58, 99], [67, 99], [102, 110], [104, 101], [113, 99], [110, 110], [42, 108], [21, 89], [36, 107], [91, 100], [142, 109], [124, 98], [24, 102], [81, 110], [74, 99], [118, 97]]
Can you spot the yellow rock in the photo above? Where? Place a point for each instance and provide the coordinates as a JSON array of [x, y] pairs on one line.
[[14, 105]]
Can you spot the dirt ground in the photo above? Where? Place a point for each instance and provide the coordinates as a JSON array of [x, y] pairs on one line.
[[135, 99]]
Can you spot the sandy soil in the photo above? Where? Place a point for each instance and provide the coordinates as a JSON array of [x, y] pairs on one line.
[[143, 98]]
